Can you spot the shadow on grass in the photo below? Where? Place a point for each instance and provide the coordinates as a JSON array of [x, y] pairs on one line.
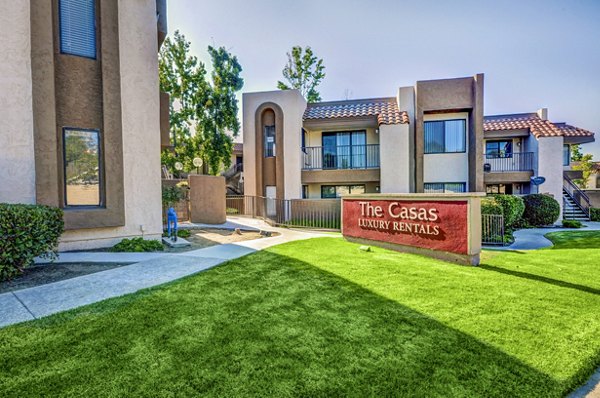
[[539, 278], [262, 325]]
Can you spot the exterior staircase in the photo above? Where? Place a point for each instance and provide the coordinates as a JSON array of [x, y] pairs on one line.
[[576, 204], [234, 179]]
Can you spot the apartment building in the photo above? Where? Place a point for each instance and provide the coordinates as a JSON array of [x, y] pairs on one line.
[[80, 114], [430, 137]]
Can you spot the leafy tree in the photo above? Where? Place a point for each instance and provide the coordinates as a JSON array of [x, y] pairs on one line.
[[200, 111], [586, 165], [576, 153], [303, 71]]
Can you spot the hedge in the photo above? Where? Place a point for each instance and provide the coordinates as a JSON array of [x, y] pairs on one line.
[[540, 210], [489, 205], [27, 231], [594, 214], [513, 208]]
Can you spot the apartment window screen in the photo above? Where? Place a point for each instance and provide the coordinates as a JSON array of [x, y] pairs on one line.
[[78, 27], [269, 141], [445, 187], [445, 136], [336, 191], [82, 168], [566, 155]]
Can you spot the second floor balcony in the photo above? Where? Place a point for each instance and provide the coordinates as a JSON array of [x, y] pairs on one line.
[[509, 162], [340, 157]]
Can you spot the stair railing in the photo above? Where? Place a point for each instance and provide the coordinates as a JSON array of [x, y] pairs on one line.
[[579, 197]]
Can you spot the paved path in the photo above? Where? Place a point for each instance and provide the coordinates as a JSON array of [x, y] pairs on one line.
[[532, 239], [149, 269]]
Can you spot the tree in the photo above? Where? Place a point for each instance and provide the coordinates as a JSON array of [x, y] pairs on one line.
[[201, 112], [576, 154], [586, 165], [303, 71]]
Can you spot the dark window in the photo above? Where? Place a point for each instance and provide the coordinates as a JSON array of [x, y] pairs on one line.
[[445, 136], [336, 191], [269, 141], [82, 168], [77, 20], [566, 155], [499, 189], [498, 149], [344, 150], [445, 187], [304, 191]]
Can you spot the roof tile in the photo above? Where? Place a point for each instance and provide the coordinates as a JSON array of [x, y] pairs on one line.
[[538, 127], [385, 109]]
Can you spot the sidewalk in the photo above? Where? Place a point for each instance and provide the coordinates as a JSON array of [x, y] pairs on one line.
[[149, 269]]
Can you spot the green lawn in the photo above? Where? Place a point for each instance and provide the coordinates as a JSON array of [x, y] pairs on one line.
[[322, 318], [575, 239]]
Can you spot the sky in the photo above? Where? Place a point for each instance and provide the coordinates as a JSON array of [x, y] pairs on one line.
[[534, 54]]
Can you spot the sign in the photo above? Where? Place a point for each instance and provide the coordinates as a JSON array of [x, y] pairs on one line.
[[440, 227]]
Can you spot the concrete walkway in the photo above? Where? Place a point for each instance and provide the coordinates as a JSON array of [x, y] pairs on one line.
[[532, 239], [149, 269]]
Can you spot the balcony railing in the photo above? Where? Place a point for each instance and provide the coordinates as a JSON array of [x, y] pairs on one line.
[[341, 157], [508, 162]]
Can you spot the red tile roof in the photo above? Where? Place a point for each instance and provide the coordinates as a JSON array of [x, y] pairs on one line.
[[537, 126], [385, 109]]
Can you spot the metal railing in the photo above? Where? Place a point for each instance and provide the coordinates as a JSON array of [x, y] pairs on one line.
[[307, 213], [492, 229], [516, 161], [340, 157], [578, 196]]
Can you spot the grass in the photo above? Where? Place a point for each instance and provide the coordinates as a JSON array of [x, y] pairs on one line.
[[575, 239], [322, 318]]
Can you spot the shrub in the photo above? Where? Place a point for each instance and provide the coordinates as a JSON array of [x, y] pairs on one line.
[[182, 233], [137, 245], [571, 224], [172, 195], [595, 214], [489, 205], [513, 208], [540, 210], [27, 231]]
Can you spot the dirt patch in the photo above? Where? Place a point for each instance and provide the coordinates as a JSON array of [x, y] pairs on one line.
[[42, 274], [201, 238]]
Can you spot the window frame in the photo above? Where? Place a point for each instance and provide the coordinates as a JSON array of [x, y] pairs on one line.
[[464, 184], [265, 142], [568, 154], [60, 41], [350, 146], [323, 187], [464, 140], [101, 187], [497, 153]]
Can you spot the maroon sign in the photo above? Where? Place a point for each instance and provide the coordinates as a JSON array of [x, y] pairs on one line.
[[435, 225]]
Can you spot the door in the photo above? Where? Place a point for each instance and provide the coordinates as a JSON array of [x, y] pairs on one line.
[[270, 194]]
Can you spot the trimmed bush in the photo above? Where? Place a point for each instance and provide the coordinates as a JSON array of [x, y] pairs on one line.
[[489, 205], [137, 245], [571, 224], [540, 210], [595, 214], [513, 208], [27, 231]]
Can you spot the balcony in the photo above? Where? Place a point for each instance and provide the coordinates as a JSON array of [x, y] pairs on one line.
[[341, 157], [509, 167]]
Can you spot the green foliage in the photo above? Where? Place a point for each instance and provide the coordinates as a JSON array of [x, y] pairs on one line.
[[200, 112], [512, 208], [490, 206], [595, 214], [27, 231], [303, 71], [183, 233], [586, 165], [540, 210], [571, 224], [172, 195], [576, 154], [137, 245]]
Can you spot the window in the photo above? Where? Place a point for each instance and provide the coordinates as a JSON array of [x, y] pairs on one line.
[[445, 136], [304, 191], [498, 149], [566, 155], [345, 150], [445, 187], [82, 168], [269, 141], [77, 19], [499, 189], [336, 191]]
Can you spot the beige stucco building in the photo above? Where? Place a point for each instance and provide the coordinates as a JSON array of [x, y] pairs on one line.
[[80, 114], [430, 137]]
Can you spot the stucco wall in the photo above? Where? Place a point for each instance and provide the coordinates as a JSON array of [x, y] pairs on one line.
[[395, 158], [141, 131], [207, 199], [550, 166], [448, 167], [17, 161]]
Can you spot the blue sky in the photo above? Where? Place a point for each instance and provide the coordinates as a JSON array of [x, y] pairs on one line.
[[534, 53]]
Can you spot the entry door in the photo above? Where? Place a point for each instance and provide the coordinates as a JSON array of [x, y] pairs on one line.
[[271, 193]]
